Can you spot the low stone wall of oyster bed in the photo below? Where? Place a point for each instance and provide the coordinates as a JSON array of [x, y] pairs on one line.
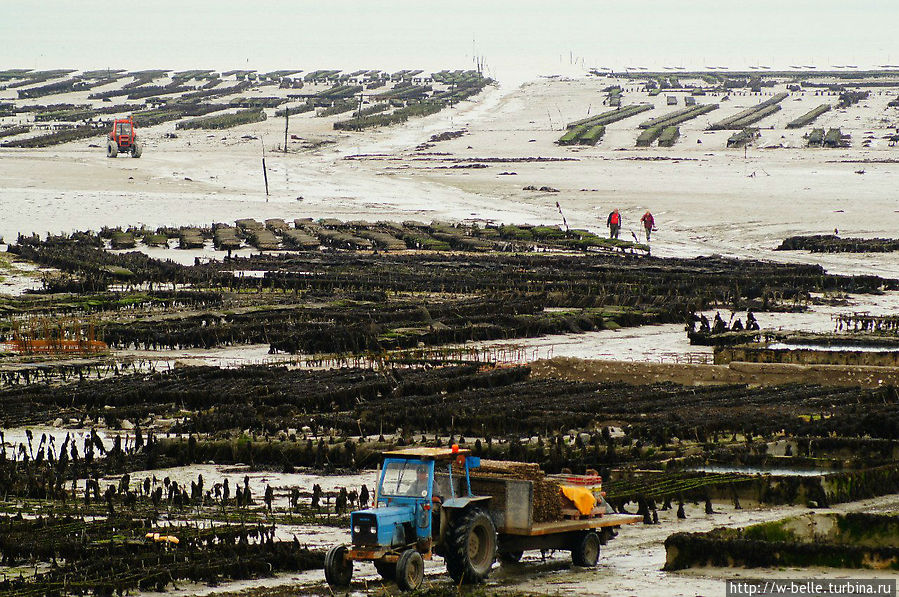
[[852, 540]]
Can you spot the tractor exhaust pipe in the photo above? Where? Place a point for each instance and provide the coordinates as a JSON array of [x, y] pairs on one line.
[[377, 484]]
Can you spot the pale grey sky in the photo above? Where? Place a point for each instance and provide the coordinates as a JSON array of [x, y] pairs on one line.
[[519, 38]]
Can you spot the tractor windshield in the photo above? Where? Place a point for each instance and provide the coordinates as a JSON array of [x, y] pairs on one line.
[[409, 478], [124, 128]]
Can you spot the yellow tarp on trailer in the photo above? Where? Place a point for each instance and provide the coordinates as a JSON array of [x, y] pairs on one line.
[[582, 498]]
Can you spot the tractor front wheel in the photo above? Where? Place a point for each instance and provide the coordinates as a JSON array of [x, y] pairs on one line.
[[471, 547], [410, 570], [338, 570], [112, 149], [586, 550], [136, 150]]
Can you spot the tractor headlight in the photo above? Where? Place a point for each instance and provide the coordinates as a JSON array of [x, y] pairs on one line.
[[357, 529]]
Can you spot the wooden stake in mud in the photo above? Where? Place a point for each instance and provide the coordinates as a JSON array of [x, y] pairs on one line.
[[286, 123], [264, 173], [564, 221]]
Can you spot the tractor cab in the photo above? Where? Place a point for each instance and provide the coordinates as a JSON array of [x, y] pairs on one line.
[[123, 128]]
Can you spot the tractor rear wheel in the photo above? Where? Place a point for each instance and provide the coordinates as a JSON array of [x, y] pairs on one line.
[[338, 570], [136, 150], [387, 570], [471, 547], [112, 149], [586, 550], [410, 570]]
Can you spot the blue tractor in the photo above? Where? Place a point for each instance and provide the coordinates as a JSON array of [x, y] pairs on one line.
[[423, 506]]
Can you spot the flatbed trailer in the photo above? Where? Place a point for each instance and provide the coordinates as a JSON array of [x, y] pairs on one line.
[[511, 508], [565, 535], [540, 529]]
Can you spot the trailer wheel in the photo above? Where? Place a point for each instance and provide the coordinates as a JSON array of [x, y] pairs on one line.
[[410, 570], [471, 547], [586, 550], [112, 149], [387, 570], [338, 570], [136, 150], [509, 557]]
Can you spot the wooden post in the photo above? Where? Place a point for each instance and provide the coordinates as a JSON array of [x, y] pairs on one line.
[[264, 172], [286, 123]]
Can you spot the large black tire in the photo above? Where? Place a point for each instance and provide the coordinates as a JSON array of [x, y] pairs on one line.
[[136, 150], [338, 570], [112, 149], [585, 552], [410, 570], [509, 557], [471, 547], [387, 570]]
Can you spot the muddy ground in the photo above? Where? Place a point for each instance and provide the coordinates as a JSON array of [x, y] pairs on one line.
[[312, 424]]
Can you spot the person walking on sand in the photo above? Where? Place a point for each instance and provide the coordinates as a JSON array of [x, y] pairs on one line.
[[649, 224], [614, 223]]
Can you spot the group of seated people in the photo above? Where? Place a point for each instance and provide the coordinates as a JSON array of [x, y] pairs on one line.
[[720, 326]]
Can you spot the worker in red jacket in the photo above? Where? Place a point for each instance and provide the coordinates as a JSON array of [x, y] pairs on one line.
[[614, 223], [649, 224]]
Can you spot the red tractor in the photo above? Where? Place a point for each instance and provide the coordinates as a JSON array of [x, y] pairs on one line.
[[122, 138]]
